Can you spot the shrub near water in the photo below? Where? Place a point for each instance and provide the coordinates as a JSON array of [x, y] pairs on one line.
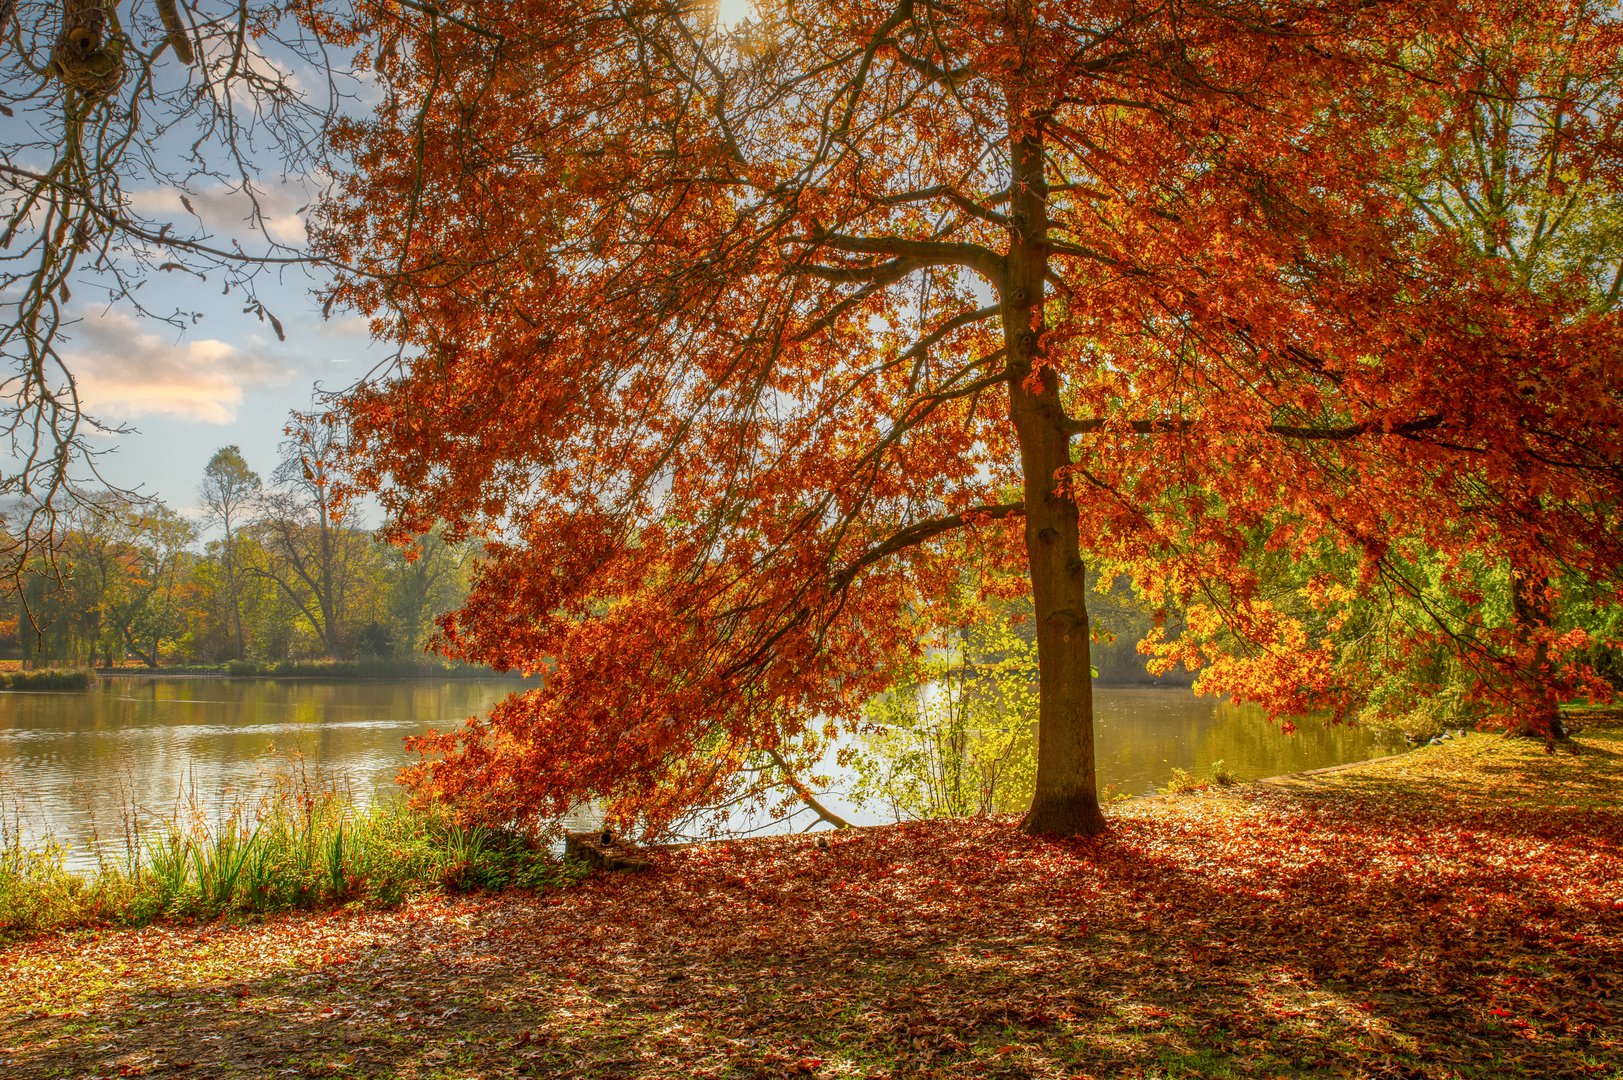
[[48, 679], [298, 847], [1184, 782]]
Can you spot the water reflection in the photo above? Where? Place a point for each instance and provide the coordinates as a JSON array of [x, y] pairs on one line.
[[71, 762], [1142, 734]]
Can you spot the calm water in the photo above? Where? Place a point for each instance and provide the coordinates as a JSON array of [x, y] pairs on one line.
[[70, 763]]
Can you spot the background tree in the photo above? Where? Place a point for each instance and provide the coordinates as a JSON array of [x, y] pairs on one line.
[[716, 337], [127, 584], [111, 113], [424, 580], [312, 556], [112, 565], [151, 605], [230, 490]]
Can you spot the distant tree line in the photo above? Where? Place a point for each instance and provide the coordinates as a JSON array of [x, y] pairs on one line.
[[266, 572]]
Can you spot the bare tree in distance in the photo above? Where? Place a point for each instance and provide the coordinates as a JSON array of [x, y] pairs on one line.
[[230, 490], [139, 139]]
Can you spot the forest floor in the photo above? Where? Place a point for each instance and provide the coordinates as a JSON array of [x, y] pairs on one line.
[[1457, 911]]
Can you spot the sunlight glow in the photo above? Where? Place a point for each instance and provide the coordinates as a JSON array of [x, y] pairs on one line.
[[729, 13]]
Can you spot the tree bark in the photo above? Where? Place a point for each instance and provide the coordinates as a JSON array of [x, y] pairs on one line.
[[1066, 799], [1531, 615]]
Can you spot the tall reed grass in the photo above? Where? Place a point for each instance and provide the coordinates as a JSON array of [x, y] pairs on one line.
[[302, 843]]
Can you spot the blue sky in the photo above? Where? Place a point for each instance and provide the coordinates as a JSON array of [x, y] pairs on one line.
[[225, 379]]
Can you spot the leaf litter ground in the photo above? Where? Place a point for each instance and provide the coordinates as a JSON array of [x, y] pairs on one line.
[[1457, 911]]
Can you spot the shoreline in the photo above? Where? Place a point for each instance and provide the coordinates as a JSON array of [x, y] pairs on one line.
[[310, 676]]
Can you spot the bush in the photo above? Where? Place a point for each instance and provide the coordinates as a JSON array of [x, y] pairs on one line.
[[1185, 783], [49, 679]]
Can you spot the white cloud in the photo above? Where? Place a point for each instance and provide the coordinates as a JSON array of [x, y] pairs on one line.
[[124, 372], [349, 326], [230, 210]]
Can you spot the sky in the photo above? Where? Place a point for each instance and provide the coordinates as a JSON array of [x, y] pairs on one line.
[[213, 374], [225, 378]]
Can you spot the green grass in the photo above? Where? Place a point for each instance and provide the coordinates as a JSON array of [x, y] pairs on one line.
[[302, 845]]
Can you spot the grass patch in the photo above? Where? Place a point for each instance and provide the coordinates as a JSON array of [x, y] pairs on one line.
[[301, 845]]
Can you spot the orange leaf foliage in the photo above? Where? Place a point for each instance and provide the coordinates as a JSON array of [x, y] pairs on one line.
[[718, 336]]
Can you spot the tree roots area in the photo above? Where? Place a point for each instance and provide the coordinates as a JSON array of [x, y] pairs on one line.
[[1457, 911]]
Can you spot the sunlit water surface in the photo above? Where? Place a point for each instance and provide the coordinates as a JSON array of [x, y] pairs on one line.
[[72, 763]]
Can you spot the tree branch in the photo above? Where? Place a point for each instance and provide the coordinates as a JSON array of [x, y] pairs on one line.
[[921, 531], [1180, 425], [803, 793], [986, 262], [952, 195]]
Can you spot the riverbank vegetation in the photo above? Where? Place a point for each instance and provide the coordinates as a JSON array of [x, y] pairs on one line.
[[1448, 913], [48, 679], [269, 577], [303, 844]]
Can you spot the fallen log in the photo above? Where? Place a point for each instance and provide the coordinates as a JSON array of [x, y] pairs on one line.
[[600, 851]]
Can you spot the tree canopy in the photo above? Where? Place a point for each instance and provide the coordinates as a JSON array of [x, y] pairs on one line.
[[738, 345]]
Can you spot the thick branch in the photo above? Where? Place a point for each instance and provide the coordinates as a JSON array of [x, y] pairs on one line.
[[919, 532], [886, 273], [984, 261], [1181, 425]]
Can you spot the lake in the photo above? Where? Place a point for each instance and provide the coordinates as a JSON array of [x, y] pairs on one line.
[[72, 763]]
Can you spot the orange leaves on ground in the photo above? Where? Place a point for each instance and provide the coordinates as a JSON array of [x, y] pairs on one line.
[[1432, 915]]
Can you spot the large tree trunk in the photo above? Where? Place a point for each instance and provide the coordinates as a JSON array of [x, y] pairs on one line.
[[1066, 799], [1531, 614]]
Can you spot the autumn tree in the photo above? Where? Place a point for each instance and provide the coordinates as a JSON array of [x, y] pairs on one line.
[[1511, 171], [1516, 165], [718, 336]]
